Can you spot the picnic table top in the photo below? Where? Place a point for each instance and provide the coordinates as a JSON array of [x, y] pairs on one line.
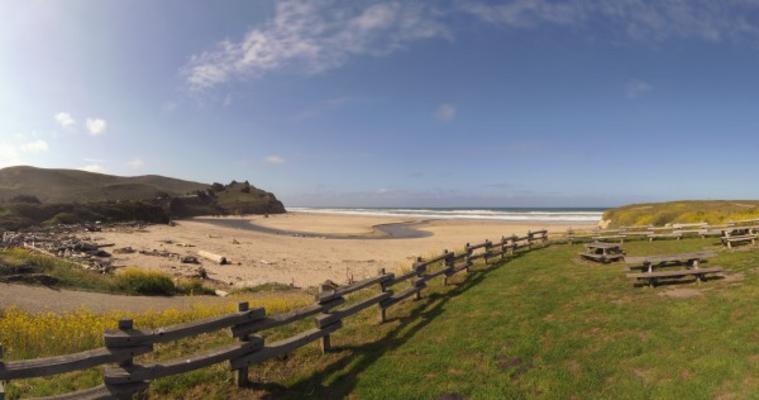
[[739, 237], [669, 258], [602, 245]]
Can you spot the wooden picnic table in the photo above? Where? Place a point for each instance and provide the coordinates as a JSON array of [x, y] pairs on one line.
[[603, 252], [691, 260], [651, 262]]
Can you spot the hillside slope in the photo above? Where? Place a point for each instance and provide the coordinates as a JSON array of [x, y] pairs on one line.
[[659, 214], [69, 186], [32, 196]]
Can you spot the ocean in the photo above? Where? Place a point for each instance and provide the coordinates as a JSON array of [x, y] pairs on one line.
[[501, 214]]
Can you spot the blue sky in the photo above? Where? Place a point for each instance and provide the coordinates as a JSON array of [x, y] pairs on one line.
[[385, 103]]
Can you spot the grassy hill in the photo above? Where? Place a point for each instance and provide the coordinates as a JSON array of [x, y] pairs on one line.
[[69, 186], [659, 214], [31, 196]]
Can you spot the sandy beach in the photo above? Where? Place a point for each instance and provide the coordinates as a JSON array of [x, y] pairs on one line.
[[258, 257]]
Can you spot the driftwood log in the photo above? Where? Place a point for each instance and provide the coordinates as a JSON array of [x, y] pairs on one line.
[[219, 259]]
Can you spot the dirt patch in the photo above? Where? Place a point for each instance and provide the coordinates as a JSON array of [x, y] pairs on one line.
[[644, 374], [681, 293], [574, 367], [519, 366], [736, 277]]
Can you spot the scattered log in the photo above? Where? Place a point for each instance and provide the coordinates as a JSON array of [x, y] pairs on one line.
[[219, 259]]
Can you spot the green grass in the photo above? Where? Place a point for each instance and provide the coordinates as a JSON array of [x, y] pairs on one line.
[[544, 325], [659, 214], [23, 266]]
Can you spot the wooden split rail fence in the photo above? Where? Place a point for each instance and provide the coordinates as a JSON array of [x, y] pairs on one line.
[[733, 232], [124, 377]]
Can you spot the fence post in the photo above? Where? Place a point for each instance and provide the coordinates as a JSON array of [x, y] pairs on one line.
[[529, 240], [418, 294], [488, 246], [325, 343], [467, 260], [379, 305], [2, 389], [126, 325], [503, 247], [242, 378], [447, 263], [513, 247]]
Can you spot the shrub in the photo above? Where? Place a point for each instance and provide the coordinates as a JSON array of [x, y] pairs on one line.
[[149, 283], [192, 287], [62, 218]]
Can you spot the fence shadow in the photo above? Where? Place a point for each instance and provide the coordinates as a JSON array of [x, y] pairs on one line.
[[362, 356]]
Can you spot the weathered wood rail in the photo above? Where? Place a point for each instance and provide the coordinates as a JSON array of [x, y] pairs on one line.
[[123, 377], [674, 231]]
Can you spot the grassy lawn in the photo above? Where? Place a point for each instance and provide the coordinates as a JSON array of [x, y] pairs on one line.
[[544, 325], [548, 325]]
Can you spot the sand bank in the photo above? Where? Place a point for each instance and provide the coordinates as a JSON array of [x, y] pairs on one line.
[[260, 257]]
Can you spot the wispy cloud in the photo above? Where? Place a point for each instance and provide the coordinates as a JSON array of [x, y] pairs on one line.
[[17, 152], [445, 112], [274, 160], [315, 36], [636, 88], [326, 105], [37, 146], [64, 119], [136, 163], [92, 168], [96, 126], [641, 20]]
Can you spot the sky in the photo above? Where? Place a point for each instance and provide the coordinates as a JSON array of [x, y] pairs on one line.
[[581, 103]]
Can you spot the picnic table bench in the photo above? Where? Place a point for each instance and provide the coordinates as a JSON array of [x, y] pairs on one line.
[[654, 277], [603, 252]]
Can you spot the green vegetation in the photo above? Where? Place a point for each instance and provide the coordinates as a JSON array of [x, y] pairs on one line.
[[544, 325], [659, 214], [138, 281], [266, 287], [22, 266]]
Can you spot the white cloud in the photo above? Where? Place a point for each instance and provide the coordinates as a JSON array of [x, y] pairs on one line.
[[93, 168], [136, 163], [636, 88], [37, 146], [446, 112], [274, 159], [315, 36], [64, 119], [96, 126], [640, 20], [9, 155], [14, 153]]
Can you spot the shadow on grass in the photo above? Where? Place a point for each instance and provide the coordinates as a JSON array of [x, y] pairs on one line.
[[344, 372]]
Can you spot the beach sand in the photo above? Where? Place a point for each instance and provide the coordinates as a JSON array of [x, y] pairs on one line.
[[258, 257]]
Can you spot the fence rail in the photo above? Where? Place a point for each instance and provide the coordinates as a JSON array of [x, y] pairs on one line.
[[123, 378]]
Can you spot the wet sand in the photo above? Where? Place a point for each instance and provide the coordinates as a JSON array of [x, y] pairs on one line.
[[306, 249]]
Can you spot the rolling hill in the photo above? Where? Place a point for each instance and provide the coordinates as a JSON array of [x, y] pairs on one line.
[[71, 186], [32, 196]]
